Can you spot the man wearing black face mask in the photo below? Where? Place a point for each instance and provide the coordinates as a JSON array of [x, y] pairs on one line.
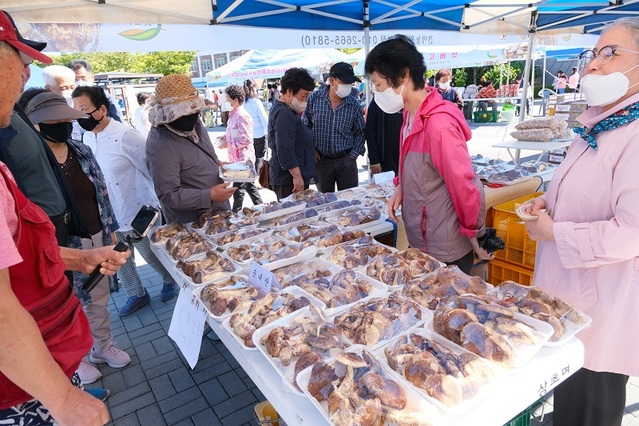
[[181, 157]]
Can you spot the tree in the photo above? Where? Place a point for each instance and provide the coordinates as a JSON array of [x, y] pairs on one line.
[[460, 77], [348, 50], [510, 72], [171, 62]]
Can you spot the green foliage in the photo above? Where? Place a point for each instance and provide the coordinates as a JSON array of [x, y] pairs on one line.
[[348, 50], [460, 77], [152, 62], [494, 73]]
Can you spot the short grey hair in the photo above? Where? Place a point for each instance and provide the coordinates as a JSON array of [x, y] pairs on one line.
[[629, 23], [53, 72]]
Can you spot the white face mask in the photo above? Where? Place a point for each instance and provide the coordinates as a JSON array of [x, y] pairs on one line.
[[602, 90], [343, 90], [297, 105], [83, 83], [67, 97], [227, 106], [389, 101], [444, 86]]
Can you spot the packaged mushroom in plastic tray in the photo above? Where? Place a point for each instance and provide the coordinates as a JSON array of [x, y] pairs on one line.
[[447, 375], [160, 234], [356, 218], [356, 193], [187, 244], [225, 240], [311, 198], [338, 288], [282, 222], [270, 252], [355, 388], [206, 267], [565, 319], [321, 235], [492, 331], [269, 308], [221, 221], [297, 341], [241, 171], [272, 210], [441, 285], [398, 268], [380, 191], [227, 296], [374, 321], [356, 253], [336, 206]]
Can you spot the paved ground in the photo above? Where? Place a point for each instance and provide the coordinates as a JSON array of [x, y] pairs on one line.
[[159, 388]]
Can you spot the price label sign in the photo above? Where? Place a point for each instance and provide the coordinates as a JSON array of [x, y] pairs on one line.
[[262, 278], [187, 325]]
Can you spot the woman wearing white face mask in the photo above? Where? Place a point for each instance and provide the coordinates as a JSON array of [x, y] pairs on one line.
[[443, 79], [442, 198], [588, 251], [292, 162]]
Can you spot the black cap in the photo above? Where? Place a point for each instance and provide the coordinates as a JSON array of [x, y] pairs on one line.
[[37, 45], [343, 72]]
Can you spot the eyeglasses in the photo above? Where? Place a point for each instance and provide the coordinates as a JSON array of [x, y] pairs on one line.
[[604, 55]]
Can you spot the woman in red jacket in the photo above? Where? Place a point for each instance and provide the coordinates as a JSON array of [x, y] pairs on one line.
[[443, 204]]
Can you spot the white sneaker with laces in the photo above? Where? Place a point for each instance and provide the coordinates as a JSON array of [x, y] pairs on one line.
[[88, 373], [112, 356]]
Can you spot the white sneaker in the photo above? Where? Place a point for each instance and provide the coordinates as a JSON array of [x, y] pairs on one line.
[[88, 373], [112, 356]]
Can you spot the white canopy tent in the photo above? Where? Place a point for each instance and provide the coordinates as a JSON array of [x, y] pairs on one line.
[[261, 64], [112, 11]]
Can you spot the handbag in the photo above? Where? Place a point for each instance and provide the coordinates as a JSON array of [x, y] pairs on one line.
[[263, 178]]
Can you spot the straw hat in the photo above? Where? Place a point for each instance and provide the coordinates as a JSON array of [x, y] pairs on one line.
[[175, 97]]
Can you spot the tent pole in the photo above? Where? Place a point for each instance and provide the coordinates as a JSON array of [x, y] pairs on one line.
[[543, 84], [532, 84], [522, 110]]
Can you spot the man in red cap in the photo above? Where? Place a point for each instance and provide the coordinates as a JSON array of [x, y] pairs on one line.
[[44, 331]]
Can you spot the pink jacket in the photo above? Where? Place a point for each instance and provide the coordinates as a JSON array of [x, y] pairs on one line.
[[594, 263], [443, 201], [239, 136]]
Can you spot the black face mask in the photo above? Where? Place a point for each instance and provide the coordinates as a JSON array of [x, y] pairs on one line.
[[186, 123], [90, 123], [58, 132]]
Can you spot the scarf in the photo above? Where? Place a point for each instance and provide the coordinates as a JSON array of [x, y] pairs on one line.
[[618, 119]]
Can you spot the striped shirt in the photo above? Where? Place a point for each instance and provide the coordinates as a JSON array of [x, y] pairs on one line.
[[335, 131]]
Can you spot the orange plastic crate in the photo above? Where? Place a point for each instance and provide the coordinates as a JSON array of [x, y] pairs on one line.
[[520, 249], [500, 271]]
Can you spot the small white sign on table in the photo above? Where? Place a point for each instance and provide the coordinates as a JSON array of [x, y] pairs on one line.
[[262, 278], [379, 178], [187, 324]]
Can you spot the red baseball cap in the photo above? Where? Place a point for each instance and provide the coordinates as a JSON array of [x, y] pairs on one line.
[[9, 34]]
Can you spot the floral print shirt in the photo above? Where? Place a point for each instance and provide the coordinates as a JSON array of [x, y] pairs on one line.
[[92, 170], [239, 136]]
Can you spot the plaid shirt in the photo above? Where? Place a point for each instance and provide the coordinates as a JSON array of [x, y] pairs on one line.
[[335, 131]]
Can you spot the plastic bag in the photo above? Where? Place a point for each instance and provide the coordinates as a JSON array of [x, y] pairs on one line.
[[490, 241]]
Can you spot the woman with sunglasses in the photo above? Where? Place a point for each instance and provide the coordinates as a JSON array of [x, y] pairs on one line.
[[588, 235]]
